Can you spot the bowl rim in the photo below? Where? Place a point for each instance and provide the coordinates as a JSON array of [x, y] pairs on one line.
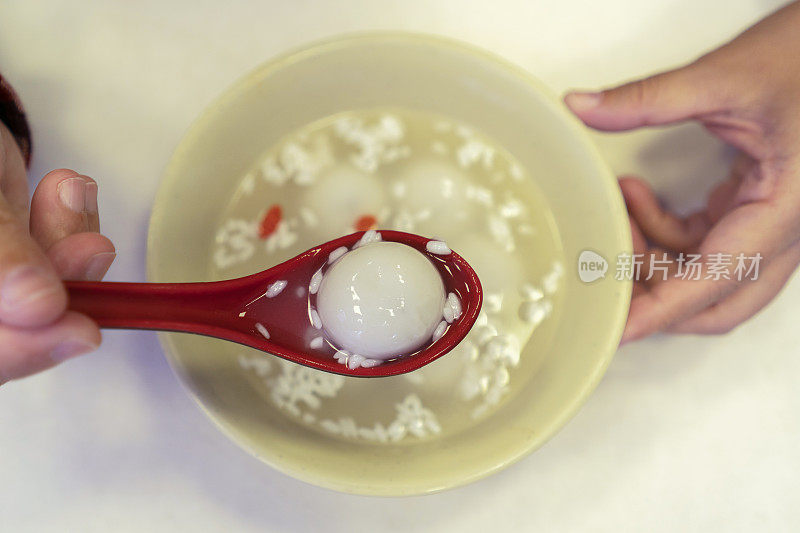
[[606, 347]]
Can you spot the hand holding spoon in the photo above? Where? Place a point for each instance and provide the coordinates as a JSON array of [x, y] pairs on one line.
[[270, 311]]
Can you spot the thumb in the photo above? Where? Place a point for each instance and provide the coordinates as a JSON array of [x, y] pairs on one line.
[[672, 96], [31, 293]]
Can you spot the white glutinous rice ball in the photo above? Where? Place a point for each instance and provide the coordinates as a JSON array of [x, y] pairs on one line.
[[342, 194], [435, 196], [381, 301]]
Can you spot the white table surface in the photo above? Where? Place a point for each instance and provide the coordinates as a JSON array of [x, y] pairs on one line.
[[683, 434]]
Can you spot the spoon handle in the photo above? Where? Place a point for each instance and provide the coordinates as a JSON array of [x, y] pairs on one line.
[[158, 306]]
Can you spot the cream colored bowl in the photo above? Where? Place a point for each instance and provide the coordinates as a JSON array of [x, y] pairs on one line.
[[425, 73]]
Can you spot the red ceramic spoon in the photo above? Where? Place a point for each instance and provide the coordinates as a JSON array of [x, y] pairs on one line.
[[233, 309]]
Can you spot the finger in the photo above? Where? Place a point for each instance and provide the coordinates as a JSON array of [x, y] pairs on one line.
[[63, 203], [82, 256], [65, 222], [639, 240], [639, 288], [721, 200], [665, 98], [639, 249], [748, 229], [26, 351], [666, 303], [658, 225], [657, 266], [745, 302], [31, 293]]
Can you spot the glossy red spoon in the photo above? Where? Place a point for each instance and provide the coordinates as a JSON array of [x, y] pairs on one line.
[[246, 311]]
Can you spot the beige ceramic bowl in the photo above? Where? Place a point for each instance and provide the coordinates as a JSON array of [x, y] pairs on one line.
[[425, 73]]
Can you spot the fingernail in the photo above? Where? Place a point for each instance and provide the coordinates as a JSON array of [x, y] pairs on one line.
[[98, 265], [25, 285], [583, 101], [91, 197], [69, 349], [72, 193]]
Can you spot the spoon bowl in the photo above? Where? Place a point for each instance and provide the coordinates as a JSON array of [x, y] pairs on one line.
[[269, 310]]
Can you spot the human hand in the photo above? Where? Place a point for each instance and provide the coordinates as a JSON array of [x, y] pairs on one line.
[[56, 239], [746, 93]]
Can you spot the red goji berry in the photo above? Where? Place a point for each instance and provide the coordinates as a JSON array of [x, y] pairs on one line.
[[269, 222], [365, 222]]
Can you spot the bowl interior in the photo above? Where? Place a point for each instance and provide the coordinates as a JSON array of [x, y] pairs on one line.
[[427, 74]]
